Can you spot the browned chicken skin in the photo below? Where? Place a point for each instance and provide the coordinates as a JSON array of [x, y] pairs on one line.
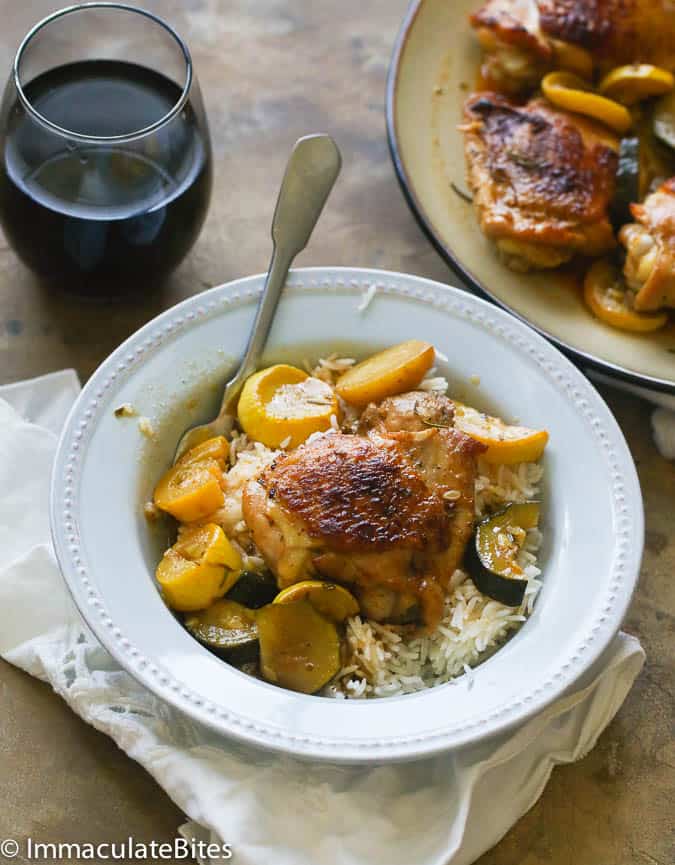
[[542, 180], [650, 250], [523, 39], [387, 512]]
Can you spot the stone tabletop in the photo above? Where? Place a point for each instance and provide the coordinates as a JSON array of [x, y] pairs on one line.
[[271, 71]]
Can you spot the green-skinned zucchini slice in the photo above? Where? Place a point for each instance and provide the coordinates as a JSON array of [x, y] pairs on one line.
[[627, 188], [493, 553], [254, 590], [227, 628]]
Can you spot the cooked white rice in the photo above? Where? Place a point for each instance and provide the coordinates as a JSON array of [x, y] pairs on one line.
[[384, 660]]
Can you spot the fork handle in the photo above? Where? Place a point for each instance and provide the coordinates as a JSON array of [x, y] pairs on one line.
[[267, 305], [312, 169]]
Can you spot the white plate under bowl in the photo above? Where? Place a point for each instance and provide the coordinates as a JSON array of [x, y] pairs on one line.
[[105, 470], [433, 70]]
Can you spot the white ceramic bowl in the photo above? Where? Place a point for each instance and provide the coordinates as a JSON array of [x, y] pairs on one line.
[[105, 469]]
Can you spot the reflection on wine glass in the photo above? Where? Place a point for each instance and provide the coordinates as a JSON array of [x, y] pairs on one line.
[[105, 157]]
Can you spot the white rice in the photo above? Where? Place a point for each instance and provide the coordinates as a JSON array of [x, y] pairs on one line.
[[385, 660], [247, 461], [435, 384]]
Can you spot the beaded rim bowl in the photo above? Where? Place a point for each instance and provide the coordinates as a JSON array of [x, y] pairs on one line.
[[105, 469]]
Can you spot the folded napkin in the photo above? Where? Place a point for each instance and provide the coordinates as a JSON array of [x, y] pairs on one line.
[[442, 811]]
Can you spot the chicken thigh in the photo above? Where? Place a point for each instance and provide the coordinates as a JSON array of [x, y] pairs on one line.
[[542, 180], [387, 512], [650, 250], [523, 39]]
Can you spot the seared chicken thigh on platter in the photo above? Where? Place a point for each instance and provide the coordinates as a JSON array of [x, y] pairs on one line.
[[650, 250], [542, 180], [523, 39]]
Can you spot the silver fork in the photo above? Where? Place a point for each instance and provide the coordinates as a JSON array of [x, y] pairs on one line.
[[312, 169]]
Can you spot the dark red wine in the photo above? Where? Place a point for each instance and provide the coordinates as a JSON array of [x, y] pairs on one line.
[[103, 219]]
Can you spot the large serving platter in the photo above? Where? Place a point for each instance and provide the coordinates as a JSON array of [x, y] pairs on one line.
[[433, 70]]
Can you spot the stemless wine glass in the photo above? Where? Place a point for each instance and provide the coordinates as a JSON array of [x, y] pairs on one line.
[[105, 157]]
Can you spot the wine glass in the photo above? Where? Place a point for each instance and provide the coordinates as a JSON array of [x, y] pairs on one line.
[[105, 156]]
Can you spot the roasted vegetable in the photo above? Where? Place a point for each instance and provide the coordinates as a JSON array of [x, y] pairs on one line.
[[664, 120], [299, 648], [631, 84], [394, 370], [573, 58], [627, 189], [506, 444], [332, 601], [493, 554], [254, 589], [216, 448], [200, 567], [190, 491], [572, 93], [606, 295], [282, 406], [228, 628]]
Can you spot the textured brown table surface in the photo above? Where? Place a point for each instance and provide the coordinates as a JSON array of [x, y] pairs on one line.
[[272, 70]]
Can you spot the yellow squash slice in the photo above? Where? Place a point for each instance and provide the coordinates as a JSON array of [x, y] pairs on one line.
[[572, 58], [631, 84], [605, 295], [332, 601], [283, 406], [216, 448], [190, 491], [572, 93], [394, 370], [506, 444], [200, 567]]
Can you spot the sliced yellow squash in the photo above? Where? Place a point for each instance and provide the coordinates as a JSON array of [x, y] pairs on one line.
[[200, 567], [572, 93], [394, 370], [605, 295], [216, 448], [573, 58], [282, 406], [332, 601], [190, 491], [631, 84], [506, 444]]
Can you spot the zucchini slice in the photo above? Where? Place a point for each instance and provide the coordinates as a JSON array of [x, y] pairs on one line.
[[492, 556], [254, 589], [299, 648], [627, 189], [334, 602], [228, 629]]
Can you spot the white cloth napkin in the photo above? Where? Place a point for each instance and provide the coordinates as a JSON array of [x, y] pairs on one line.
[[444, 811]]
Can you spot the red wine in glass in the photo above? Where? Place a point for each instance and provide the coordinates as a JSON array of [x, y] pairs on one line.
[[108, 195]]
